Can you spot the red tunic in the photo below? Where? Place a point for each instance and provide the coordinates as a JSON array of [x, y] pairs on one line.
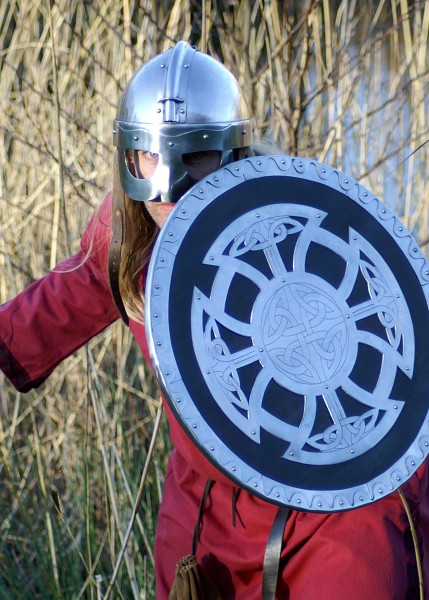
[[365, 553]]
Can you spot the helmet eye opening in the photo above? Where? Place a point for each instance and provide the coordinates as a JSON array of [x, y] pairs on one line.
[[141, 164], [202, 163]]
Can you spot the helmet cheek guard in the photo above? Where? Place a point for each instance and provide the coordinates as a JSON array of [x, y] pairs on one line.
[[179, 103]]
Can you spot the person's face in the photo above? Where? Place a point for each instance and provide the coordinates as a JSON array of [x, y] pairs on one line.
[[198, 165]]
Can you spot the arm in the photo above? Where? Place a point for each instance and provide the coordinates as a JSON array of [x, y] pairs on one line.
[[56, 315]]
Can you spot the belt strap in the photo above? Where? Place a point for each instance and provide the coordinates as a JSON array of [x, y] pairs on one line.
[[272, 554], [199, 524], [114, 262]]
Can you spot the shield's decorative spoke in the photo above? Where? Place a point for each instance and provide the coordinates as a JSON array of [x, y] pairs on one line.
[[294, 346]]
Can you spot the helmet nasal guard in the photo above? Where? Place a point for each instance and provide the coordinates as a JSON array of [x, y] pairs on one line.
[[180, 102]]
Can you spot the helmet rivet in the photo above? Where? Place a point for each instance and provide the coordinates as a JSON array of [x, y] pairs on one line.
[[158, 110], [113, 131], [136, 137], [171, 144], [182, 110], [206, 136], [186, 66], [162, 66], [243, 132]]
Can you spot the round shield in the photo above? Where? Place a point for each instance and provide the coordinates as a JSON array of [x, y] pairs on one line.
[[287, 317]]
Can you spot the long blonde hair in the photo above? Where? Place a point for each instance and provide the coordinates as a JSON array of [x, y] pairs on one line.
[[140, 232]]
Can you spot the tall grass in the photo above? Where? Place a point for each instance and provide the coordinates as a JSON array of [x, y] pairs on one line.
[[345, 82]]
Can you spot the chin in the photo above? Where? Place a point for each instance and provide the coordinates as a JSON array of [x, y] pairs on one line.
[[159, 211]]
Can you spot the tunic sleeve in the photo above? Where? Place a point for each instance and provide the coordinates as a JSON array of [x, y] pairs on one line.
[[56, 315]]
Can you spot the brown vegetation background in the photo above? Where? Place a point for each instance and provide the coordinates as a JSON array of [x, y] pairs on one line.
[[345, 82]]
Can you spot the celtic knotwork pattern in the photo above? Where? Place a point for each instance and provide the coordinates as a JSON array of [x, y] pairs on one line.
[[302, 335], [264, 235], [305, 334]]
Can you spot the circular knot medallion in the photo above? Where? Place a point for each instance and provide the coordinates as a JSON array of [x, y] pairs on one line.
[[303, 328]]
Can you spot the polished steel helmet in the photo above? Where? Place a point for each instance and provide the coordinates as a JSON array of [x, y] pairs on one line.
[[179, 103]]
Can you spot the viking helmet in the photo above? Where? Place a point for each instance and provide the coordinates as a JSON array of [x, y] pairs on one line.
[[178, 103]]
